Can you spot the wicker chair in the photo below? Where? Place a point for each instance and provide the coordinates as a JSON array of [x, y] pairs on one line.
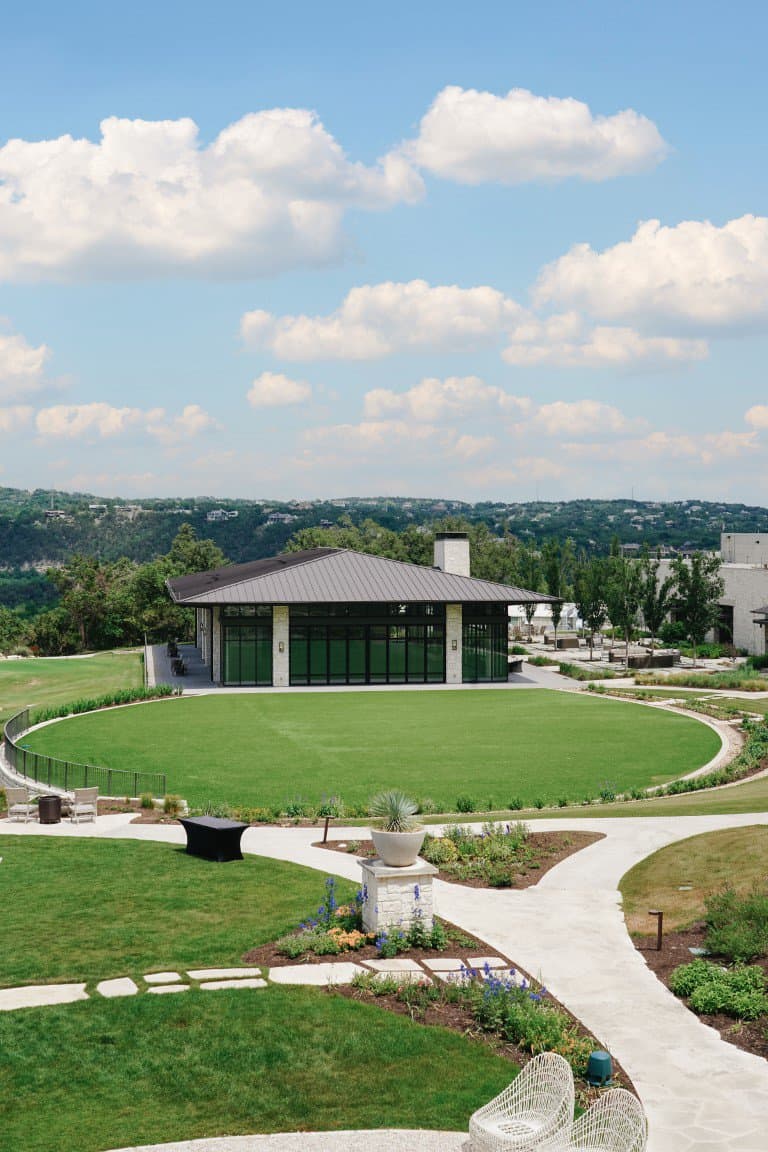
[[538, 1104], [615, 1123], [20, 807], [83, 807]]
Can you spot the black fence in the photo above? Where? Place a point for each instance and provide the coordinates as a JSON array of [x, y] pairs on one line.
[[66, 774]]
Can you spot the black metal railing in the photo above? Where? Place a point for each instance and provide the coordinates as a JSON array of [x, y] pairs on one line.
[[51, 772]]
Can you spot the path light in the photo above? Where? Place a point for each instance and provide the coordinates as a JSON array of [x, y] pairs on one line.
[[599, 1069], [659, 925]]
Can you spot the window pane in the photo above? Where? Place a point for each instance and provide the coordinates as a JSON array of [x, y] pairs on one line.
[[231, 656], [396, 653], [356, 655], [264, 656], [318, 654], [299, 656], [337, 645], [378, 654], [416, 671]]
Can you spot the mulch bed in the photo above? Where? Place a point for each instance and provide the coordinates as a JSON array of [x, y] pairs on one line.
[[547, 848], [749, 1035], [461, 945]]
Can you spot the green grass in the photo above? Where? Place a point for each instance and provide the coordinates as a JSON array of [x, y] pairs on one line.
[[751, 796], [709, 862], [265, 749], [739, 680], [92, 909], [109, 1074], [60, 681], [745, 705]]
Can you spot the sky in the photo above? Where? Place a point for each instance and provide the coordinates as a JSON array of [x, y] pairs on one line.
[[500, 251]]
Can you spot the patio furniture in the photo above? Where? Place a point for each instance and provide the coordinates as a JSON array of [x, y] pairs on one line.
[[537, 1105], [20, 807], [615, 1123], [49, 809], [84, 805], [213, 838]]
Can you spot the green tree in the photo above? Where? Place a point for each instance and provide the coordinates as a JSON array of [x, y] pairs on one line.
[[655, 596], [529, 571], [12, 629], [623, 591], [589, 584], [698, 587], [555, 557]]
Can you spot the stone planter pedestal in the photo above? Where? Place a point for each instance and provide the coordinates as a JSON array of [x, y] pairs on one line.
[[397, 896]]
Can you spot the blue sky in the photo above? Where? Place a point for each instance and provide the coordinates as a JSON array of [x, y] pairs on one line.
[[249, 250]]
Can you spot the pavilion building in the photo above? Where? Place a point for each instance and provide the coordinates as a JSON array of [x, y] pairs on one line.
[[334, 616]]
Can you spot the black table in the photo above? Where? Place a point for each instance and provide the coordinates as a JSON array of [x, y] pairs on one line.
[[49, 809], [213, 838]]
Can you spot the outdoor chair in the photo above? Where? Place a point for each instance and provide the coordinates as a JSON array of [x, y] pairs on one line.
[[20, 807], [84, 805], [537, 1105], [615, 1123]]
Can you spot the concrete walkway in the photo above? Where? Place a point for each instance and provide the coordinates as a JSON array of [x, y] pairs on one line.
[[701, 1094]]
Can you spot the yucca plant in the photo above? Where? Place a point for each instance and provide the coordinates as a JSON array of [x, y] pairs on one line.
[[395, 810]]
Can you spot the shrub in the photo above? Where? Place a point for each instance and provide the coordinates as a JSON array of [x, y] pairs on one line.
[[331, 806], [758, 662], [465, 804], [439, 850], [518, 650], [737, 927], [710, 989], [147, 800], [538, 803], [607, 792], [3, 800], [515, 804], [113, 699], [395, 810], [579, 672], [172, 804]]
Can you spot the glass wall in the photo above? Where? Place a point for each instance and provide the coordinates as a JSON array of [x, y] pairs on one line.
[[484, 643], [247, 645], [367, 644]]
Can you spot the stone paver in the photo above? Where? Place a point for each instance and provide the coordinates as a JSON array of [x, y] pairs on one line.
[[123, 986], [222, 973], [161, 989], [443, 964], [40, 995], [218, 985], [393, 965], [161, 977], [487, 961], [315, 975]]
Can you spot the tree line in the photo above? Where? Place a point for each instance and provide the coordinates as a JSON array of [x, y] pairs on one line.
[[110, 604]]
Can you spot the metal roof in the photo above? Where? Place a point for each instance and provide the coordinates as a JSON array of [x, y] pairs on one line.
[[339, 576]]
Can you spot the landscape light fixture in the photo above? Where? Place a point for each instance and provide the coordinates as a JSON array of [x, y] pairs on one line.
[[599, 1069], [659, 925]]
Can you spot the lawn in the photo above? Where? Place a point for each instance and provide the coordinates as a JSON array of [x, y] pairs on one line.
[[93, 909], [701, 865], [64, 679], [111, 1074], [492, 746]]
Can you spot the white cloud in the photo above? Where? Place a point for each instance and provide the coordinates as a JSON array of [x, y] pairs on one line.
[[104, 421], [477, 137], [372, 434], [579, 417], [377, 320], [192, 421], [274, 390], [546, 343], [467, 447], [707, 448], [269, 193], [695, 272], [435, 400], [13, 418], [21, 365], [757, 417]]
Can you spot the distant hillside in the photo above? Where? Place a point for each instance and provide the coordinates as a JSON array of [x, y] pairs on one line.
[[42, 528]]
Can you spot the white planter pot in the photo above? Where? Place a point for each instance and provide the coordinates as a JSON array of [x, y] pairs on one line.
[[398, 849]]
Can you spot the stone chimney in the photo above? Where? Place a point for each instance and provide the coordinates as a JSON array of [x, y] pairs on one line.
[[452, 552]]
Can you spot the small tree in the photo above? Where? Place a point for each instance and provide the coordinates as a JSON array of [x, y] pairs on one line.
[[655, 597], [554, 575], [698, 587], [589, 591], [623, 594], [529, 575]]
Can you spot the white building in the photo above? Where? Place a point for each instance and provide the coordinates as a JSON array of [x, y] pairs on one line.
[[744, 570]]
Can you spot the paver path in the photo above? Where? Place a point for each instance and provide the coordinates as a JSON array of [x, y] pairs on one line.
[[701, 1094]]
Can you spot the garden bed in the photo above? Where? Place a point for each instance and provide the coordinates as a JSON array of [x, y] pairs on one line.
[[749, 1035], [543, 850]]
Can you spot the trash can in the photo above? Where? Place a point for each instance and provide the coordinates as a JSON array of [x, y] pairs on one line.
[[49, 808]]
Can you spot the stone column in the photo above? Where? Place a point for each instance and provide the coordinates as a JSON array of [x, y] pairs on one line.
[[216, 645], [396, 897], [453, 644], [280, 638]]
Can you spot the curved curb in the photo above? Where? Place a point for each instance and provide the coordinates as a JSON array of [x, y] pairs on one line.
[[372, 1140]]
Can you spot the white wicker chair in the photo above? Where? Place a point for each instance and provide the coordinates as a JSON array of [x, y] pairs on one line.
[[536, 1105], [84, 805], [615, 1123], [20, 807]]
